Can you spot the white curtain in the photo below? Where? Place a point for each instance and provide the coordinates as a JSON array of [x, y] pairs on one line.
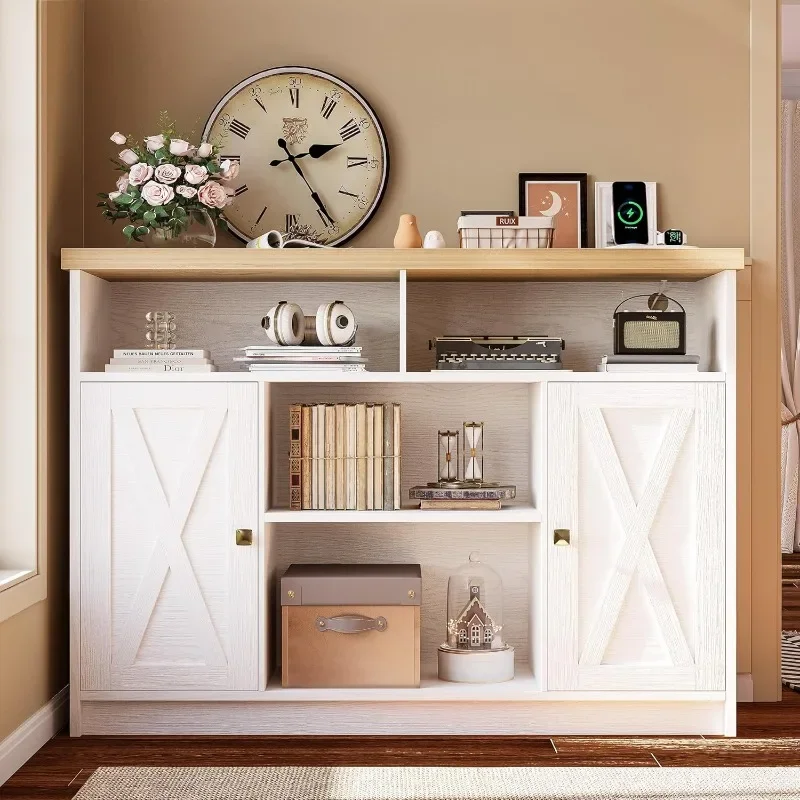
[[790, 346]]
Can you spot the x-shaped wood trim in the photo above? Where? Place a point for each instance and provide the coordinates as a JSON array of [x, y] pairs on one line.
[[169, 552], [637, 521]]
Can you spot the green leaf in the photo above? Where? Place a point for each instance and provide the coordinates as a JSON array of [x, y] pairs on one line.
[[109, 214], [222, 223], [142, 230], [124, 200], [104, 195], [179, 212], [136, 206], [149, 216], [129, 230], [212, 167]]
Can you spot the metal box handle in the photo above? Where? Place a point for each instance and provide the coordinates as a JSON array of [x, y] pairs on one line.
[[351, 623]]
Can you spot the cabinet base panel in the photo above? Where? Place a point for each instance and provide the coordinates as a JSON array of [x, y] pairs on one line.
[[401, 719]]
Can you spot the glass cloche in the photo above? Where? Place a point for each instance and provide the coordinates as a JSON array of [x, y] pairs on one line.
[[475, 650]]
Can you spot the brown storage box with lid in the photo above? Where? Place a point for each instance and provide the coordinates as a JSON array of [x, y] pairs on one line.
[[350, 625]]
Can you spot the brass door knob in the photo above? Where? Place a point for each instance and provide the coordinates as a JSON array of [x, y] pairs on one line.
[[561, 537], [244, 537]]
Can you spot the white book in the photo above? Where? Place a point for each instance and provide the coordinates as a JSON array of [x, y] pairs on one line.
[[370, 499], [320, 455], [301, 358], [306, 368], [314, 445], [122, 360], [350, 457], [153, 353], [160, 368], [647, 368], [301, 348]]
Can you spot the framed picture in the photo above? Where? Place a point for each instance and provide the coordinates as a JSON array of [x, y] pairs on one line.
[[561, 195]]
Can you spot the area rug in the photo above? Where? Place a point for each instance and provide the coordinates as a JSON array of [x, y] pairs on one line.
[[438, 783], [790, 659]]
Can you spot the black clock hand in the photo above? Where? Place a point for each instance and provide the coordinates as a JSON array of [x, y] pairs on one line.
[[315, 151], [314, 196]]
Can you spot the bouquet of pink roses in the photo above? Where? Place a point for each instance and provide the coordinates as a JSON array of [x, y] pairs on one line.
[[165, 181]]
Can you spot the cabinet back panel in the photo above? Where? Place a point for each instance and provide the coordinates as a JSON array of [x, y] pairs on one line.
[[505, 410], [224, 317], [581, 313], [439, 549]]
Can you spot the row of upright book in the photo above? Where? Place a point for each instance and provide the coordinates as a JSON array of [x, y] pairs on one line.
[[344, 457]]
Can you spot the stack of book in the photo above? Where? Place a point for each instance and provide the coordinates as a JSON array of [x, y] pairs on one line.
[[344, 457], [649, 363], [481, 497], [147, 360], [283, 358]]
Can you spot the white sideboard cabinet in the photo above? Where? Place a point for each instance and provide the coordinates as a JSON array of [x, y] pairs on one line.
[[617, 556]]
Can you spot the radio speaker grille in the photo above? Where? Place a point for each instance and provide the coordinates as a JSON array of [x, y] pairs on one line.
[[648, 334]]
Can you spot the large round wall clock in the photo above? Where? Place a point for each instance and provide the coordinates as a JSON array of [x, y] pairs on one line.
[[312, 155]]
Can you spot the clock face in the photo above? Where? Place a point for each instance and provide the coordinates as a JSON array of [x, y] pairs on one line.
[[312, 154]]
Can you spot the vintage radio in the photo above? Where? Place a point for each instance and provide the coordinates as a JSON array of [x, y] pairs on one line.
[[659, 329], [497, 352]]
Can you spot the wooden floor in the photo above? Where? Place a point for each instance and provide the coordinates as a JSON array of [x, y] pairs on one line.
[[769, 735]]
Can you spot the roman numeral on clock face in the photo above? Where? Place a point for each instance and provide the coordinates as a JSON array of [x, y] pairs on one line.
[[261, 216], [294, 97], [356, 161], [349, 194], [260, 102], [240, 190], [327, 107], [238, 159], [349, 130], [240, 129], [291, 221]]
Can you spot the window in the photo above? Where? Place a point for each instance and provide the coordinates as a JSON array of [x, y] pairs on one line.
[[476, 635], [21, 583], [462, 636], [488, 635]]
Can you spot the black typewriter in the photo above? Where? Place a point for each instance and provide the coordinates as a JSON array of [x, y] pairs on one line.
[[497, 352]]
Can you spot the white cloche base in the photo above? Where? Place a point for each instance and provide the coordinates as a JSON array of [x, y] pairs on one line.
[[480, 666]]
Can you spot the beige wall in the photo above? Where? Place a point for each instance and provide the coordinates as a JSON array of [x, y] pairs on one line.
[[471, 93], [34, 643], [470, 96]]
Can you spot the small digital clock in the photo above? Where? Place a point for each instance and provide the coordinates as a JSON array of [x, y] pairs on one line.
[[672, 237]]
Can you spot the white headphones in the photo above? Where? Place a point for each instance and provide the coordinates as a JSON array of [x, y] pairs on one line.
[[333, 326]]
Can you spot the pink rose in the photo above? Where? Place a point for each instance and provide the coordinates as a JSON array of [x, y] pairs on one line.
[[139, 174], [196, 174], [167, 173], [213, 195], [157, 194], [180, 147], [154, 143], [123, 183], [186, 191], [205, 150], [112, 196], [128, 157], [228, 169], [118, 138]]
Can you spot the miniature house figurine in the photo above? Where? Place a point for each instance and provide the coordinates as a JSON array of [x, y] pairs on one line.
[[475, 650], [474, 628]]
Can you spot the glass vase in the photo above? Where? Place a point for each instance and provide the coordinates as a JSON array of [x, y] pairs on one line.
[[199, 232]]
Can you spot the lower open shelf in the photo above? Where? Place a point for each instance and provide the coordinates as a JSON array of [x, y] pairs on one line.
[[524, 687]]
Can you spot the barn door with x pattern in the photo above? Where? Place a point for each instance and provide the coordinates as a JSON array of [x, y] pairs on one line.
[[636, 474], [168, 473]]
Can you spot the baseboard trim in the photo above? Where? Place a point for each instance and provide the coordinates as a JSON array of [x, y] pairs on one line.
[[33, 734], [744, 688]]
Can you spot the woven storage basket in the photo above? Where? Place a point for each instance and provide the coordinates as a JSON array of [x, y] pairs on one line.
[[492, 232]]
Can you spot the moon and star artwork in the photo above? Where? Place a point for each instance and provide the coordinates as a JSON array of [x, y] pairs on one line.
[[561, 197]]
